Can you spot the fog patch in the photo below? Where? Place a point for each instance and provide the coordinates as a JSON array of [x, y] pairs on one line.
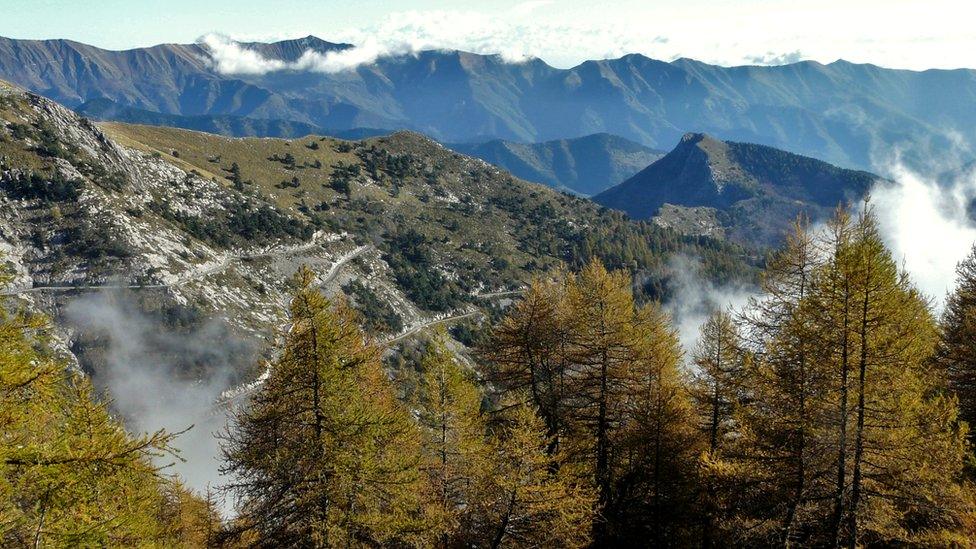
[[694, 298], [162, 377], [927, 223]]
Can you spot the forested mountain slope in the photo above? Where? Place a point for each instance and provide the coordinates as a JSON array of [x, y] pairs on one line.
[[752, 191], [585, 165]]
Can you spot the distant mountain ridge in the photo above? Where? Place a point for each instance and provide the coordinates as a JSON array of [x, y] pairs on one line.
[[848, 114], [585, 165], [755, 190], [220, 124]]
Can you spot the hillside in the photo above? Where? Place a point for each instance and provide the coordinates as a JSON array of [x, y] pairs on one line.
[[189, 226], [755, 190], [844, 113], [584, 165]]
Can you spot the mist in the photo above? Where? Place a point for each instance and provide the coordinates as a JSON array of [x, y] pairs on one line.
[[694, 299], [926, 223], [160, 377]]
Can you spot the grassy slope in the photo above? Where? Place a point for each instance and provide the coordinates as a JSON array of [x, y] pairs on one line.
[[485, 229]]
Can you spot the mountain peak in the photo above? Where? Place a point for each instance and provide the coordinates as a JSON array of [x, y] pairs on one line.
[[292, 49], [760, 189]]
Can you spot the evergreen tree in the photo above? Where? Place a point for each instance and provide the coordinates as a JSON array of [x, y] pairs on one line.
[[325, 454]]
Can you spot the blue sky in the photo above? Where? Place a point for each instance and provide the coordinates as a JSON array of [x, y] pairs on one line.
[[895, 33]]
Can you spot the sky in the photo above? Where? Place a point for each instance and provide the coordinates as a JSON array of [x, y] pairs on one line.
[[908, 34]]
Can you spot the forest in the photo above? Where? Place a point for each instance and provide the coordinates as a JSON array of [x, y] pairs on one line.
[[833, 410]]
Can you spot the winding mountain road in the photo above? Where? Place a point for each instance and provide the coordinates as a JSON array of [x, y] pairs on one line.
[[197, 274]]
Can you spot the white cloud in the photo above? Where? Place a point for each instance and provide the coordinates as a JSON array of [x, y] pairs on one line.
[[926, 224], [409, 33], [773, 58], [694, 299], [565, 33], [228, 57]]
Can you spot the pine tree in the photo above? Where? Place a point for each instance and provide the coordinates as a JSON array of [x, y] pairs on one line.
[[325, 454]]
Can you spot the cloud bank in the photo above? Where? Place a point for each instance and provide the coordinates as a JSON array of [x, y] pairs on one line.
[[409, 33], [694, 299], [926, 222]]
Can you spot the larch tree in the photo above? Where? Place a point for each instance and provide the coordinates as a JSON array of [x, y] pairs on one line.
[[325, 454], [457, 455], [719, 362], [956, 351], [897, 445], [618, 394], [530, 502], [655, 493], [527, 354], [70, 474], [718, 390], [601, 348], [781, 448]]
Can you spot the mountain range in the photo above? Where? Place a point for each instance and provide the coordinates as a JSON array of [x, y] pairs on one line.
[[103, 109], [852, 115], [584, 165], [747, 192], [186, 226]]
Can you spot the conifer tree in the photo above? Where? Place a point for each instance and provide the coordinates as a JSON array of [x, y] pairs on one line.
[[614, 363], [717, 388], [907, 449], [956, 351], [458, 458], [70, 475], [783, 427], [655, 493], [325, 454], [527, 354], [531, 503], [847, 437], [720, 367], [601, 348]]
